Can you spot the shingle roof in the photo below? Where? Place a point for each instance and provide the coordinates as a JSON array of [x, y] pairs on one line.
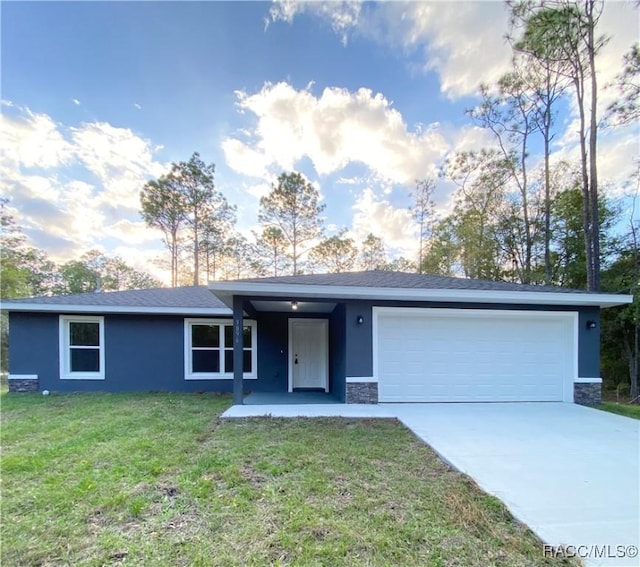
[[386, 279], [192, 297]]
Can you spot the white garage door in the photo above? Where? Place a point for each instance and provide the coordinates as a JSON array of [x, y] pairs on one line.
[[458, 355]]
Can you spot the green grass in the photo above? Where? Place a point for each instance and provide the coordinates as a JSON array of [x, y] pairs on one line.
[[159, 479], [628, 410]]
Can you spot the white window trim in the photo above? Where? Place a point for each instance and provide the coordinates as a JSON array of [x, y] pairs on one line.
[[189, 375], [64, 345]]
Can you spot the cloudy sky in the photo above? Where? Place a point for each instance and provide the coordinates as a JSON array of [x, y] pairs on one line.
[[362, 98]]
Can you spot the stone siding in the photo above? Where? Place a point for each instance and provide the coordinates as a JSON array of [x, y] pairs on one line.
[[20, 385], [362, 392], [587, 394]]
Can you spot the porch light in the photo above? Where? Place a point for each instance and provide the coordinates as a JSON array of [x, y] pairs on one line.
[[591, 324], [359, 319], [294, 305]]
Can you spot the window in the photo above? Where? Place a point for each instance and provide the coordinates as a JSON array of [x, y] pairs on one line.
[[81, 347], [209, 349]]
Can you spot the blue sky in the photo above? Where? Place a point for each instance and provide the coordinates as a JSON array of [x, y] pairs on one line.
[[360, 97]]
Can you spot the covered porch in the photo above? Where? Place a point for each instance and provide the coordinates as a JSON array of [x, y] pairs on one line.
[[299, 358], [289, 398], [313, 345]]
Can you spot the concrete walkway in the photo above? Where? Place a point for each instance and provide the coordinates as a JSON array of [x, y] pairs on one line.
[[311, 410], [571, 473]]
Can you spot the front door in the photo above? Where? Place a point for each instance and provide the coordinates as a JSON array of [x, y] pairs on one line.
[[308, 354]]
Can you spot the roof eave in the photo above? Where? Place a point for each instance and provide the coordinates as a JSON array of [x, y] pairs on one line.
[[112, 309], [226, 290]]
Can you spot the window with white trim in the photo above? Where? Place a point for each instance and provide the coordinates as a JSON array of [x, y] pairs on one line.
[[209, 349], [81, 347]]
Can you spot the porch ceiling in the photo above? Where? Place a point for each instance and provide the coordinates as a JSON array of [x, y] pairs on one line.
[[303, 306]]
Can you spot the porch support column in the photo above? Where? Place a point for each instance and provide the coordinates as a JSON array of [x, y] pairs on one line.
[[238, 333]]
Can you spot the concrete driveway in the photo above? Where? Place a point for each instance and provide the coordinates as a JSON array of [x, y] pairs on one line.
[[571, 473]]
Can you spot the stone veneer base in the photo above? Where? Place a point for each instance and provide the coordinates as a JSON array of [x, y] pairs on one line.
[[362, 392], [587, 394]]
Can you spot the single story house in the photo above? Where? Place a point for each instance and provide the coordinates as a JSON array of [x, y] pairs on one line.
[[363, 337]]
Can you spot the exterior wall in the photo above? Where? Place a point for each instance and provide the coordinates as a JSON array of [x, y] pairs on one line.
[[146, 352], [359, 343], [359, 340], [589, 343], [33, 347], [142, 353]]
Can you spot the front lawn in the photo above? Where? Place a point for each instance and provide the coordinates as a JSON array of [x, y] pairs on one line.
[[158, 479], [628, 410]]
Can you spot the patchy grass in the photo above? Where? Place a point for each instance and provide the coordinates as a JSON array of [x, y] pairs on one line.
[[628, 410], [160, 480]]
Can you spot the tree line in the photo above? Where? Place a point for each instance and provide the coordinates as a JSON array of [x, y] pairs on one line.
[[198, 228], [27, 271]]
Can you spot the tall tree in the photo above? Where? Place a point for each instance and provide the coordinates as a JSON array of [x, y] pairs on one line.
[[620, 326], [481, 178], [567, 222], [372, 253], [442, 258], [271, 251], [627, 108], [195, 180], [215, 234], [565, 31], [335, 254], [511, 117], [546, 79], [293, 206], [164, 207], [238, 258], [422, 211]]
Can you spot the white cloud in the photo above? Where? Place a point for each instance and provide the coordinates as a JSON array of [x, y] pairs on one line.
[[120, 159], [342, 15], [75, 101], [137, 106], [243, 159], [378, 216], [133, 231], [619, 23], [337, 128], [462, 41], [47, 171], [32, 140]]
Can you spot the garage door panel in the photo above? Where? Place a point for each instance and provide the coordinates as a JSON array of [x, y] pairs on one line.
[[473, 357]]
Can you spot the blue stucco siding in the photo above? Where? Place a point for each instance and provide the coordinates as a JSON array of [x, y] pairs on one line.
[[589, 343], [142, 353], [33, 346], [359, 340], [146, 352]]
